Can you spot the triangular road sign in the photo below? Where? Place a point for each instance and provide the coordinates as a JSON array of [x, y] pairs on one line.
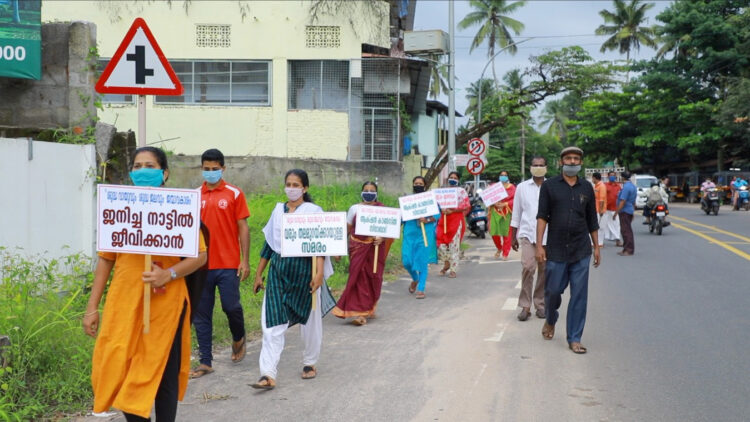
[[139, 67]]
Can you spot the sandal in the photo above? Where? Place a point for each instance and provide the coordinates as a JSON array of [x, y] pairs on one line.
[[548, 331], [264, 383], [413, 287], [238, 350], [201, 370], [577, 348], [309, 372], [497, 254], [452, 274], [420, 295], [359, 321], [444, 270]]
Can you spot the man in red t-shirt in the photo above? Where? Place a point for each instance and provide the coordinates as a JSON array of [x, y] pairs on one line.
[[224, 211], [610, 225]]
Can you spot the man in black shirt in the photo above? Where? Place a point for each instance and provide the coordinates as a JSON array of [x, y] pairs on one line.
[[567, 208]]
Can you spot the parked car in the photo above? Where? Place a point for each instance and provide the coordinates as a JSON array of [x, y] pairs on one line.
[[643, 183]]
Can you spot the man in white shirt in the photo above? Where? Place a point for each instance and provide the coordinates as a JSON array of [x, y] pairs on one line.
[[523, 224]]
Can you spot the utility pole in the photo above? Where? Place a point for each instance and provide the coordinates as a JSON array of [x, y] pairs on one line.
[[452, 86], [523, 148]]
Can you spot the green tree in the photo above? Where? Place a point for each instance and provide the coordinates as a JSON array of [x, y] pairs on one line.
[[494, 25], [557, 113], [625, 28], [438, 75], [472, 95]]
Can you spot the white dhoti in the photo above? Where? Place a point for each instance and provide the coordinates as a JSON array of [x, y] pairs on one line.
[[273, 340], [610, 226]]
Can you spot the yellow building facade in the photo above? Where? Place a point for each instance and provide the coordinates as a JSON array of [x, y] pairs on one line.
[[261, 78]]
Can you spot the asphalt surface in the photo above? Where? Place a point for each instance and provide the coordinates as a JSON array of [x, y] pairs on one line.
[[666, 332]]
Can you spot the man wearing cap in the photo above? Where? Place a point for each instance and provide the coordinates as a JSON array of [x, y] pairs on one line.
[[567, 210]]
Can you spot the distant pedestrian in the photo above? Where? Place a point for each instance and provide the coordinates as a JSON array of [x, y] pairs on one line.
[[523, 226], [610, 225], [288, 299], [625, 211], [450, 231], [224, 211], [415, 255], [567, 207], [600, 192], [362, 291], [500, 216]]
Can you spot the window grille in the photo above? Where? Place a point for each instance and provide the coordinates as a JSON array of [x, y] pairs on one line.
[[318, 85], [213, 36], [221, 83], [322, 36]]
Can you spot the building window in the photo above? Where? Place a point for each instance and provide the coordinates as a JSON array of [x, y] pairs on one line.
[[221, 82], [112, 98], [318, 85], [322, 36], [213, 36]]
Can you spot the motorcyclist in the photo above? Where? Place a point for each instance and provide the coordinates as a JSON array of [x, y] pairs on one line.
[[738, 183], [655, 196], [705, 186]]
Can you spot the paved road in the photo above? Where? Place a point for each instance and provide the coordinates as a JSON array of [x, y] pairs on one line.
[[666, 331]]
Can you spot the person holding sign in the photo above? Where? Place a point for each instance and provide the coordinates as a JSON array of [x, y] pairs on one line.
[[500, 215], [450, 229], [362, 292], [224, 211], [130, 370], [292, 288], [415, 255]]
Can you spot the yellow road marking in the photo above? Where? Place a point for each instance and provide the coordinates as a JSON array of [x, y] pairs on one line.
[[724, 245], [712, 228]]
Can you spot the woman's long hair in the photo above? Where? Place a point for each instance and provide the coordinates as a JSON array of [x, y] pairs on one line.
[[305, 181]]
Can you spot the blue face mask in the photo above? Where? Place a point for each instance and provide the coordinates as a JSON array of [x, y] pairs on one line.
[[503, 179], [453, 182], [369, 196], [147, 177], [212, 176], [612, 178]]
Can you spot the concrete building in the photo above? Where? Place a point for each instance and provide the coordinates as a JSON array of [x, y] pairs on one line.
[[293, 79]]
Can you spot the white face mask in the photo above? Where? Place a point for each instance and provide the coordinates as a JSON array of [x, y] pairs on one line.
[[293, 193], [538, 171]]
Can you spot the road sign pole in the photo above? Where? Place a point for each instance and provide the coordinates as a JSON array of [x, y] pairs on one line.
[[141, 121]]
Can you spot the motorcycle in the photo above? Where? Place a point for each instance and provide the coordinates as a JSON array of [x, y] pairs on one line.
[[477, 218], [743, 199], [658, 218], [710, 201]]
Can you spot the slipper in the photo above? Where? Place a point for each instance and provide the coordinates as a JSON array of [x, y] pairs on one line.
[[309, 372], [238, 350], [577, 348], [264, 383], [548, 331], [359, 321], [413, 287], [452, 274], [444, 270], [200, 371], [497, 254], [420, 295]]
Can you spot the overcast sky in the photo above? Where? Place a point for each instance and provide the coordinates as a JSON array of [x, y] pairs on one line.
[[558, 23]]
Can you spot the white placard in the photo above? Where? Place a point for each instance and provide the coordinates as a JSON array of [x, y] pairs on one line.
[[148, 221], [447, 197], [317, 234], [493, 194], [418, 205], [378, 221]]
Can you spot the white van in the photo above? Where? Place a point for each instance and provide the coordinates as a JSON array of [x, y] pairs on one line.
[[643, 183]]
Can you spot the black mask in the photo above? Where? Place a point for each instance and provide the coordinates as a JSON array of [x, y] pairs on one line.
[[418, 189]]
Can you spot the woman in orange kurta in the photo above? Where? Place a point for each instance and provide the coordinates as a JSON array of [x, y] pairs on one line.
[[132, 371]]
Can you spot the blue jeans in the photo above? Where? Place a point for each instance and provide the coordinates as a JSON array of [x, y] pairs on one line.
[[557, 277], [229, 292]]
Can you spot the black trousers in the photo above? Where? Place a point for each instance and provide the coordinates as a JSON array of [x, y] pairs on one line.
[[165, 405]]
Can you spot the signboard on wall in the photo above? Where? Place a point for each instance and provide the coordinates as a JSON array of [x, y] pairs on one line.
[[21, 39]]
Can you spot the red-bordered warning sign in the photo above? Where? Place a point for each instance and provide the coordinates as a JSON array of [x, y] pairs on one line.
[[476, 147], [475, 166], [139, 67]]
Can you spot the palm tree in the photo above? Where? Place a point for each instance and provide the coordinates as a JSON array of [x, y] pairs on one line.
[[472, 94], [438, 76], [625, 27], [556, 114], [494, 25]]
